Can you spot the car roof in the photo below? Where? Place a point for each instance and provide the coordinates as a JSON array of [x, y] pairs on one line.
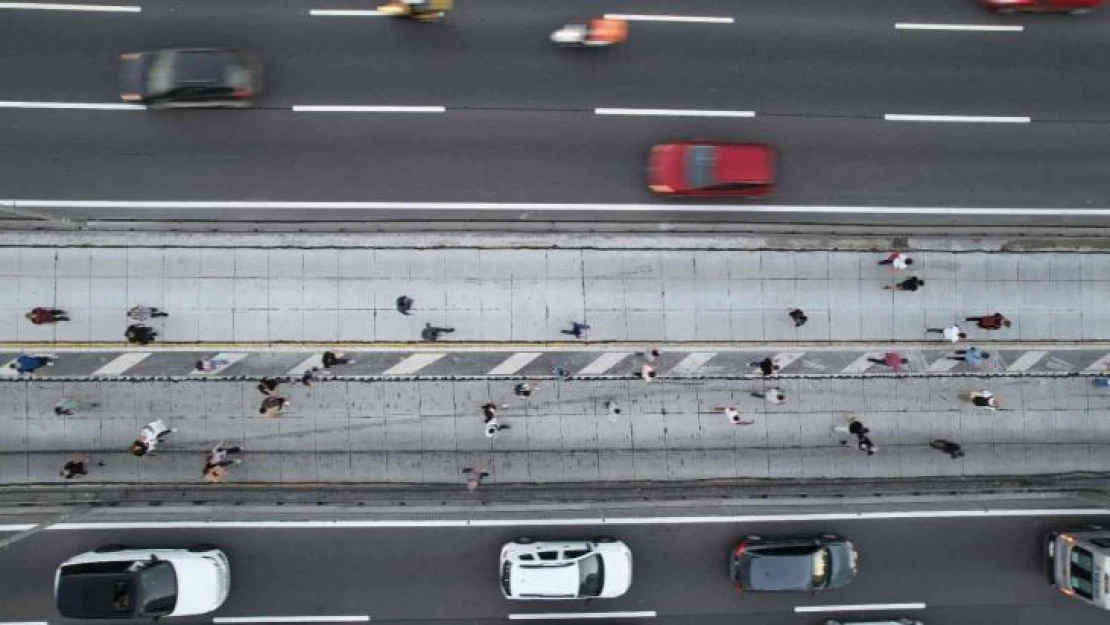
[[97, 590], [745, 162], [780, 571], [559, 579], [200, 66]]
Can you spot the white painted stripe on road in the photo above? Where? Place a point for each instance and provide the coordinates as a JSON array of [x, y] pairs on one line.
[[48, 6], [230, 357], [861, 364], [599, 520], [785, 359], [412, 364], [986, 119], [92, 106], [345, 13], [579, 615], [1027, 360], [122, 363], [16, 527], [405, 207], [514, 363], [942, 364], [603, 363], [313, 361], [631, 17], [859, 607], [312, 108], [987, 28], [672, 112], [691, 363], [7, 371], [1100, 365], [358, 618], [23, 623]]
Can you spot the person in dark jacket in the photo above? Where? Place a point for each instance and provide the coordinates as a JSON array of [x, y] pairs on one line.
[[140, 333], [952, 449]]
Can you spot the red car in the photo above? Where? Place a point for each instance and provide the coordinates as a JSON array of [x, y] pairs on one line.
[[1041, 6], [712, 169]]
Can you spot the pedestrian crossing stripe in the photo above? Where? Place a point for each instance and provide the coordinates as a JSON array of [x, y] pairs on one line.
[[603, 363], [122, 363], [1027, 360], [514, 363], [412, 364], [692, 363], [315, 361], [785, 359], [861, 364], [1100, 365]]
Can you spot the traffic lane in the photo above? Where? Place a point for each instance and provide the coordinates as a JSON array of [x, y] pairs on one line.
[[535, 157], [815, 61], [389, 574]]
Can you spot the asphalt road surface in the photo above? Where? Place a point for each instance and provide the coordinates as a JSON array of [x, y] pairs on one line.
[[966, 571], [520, 122]]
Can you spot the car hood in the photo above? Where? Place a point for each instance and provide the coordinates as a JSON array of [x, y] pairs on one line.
[[618, 572], [132, 73], [198, 586], [776, 573], [665, 166]]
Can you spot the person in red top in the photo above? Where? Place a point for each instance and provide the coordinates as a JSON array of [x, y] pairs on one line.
[[893, 360], [991, 322], [40, 315]]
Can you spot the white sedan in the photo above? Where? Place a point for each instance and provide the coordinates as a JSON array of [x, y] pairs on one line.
[[573, 569]]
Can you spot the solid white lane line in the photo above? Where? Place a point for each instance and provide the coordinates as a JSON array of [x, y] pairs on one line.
[[16, 527], [23, 623], [359, 618], [860, 607], [311, 108], [669, 18], [412, 364], [122, 363], [1026, 360], [672, 112], [986, 119], [345, 13], [579, 615], [47, 6], [987, 28], [91, 106], [406, 207], [514, 363], [599, 520], [603, 363]]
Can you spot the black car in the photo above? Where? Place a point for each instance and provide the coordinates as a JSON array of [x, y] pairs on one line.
[[190, 77], [792, 563]]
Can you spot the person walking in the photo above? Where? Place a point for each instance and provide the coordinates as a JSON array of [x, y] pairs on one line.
[[142, 313], [431, 332], [577, 329], [272, 405], [997, 321], [866, 445], [972, 356], [854, 427], [474, 477], [149, 437], [894, 360], [951, 333], [772, 395], [310, 376], [404, 305], [525, 389], [40, 315], [493, 426], [897, 260], [67, 406], [982, 399], [27, 363], [798, 316], [651, 356], [216, 462], [647, 372], [78, 467], [211, 364], [953, 450], [912, 283], [140, 333], [268, 386], [733, 415], [613, 408], [767, 366], [330, 359]]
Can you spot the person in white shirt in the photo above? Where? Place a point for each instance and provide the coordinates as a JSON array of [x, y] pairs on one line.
[[897, 260], [951, 333], [149, 437]]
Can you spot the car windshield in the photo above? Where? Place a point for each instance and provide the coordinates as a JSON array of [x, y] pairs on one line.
[[161, 74], [1081, 572], [701, 163], [591, 576], [159, 588]]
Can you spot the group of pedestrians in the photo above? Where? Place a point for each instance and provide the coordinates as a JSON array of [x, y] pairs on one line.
[[138, 332]]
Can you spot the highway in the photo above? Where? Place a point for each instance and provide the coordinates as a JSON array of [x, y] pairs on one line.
[[520, 122], [965, 571]]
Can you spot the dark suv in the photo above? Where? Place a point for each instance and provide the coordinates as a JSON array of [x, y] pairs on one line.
[[190, 78]]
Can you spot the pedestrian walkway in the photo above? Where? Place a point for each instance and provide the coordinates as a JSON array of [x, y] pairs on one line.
[[254, 295], [675, 362], [666, 430]]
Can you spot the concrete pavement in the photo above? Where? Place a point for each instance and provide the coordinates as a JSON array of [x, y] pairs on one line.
[[255, 295], [667, 430]]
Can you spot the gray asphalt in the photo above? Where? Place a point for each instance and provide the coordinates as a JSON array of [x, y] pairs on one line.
[[966, 571], [520, 126]]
